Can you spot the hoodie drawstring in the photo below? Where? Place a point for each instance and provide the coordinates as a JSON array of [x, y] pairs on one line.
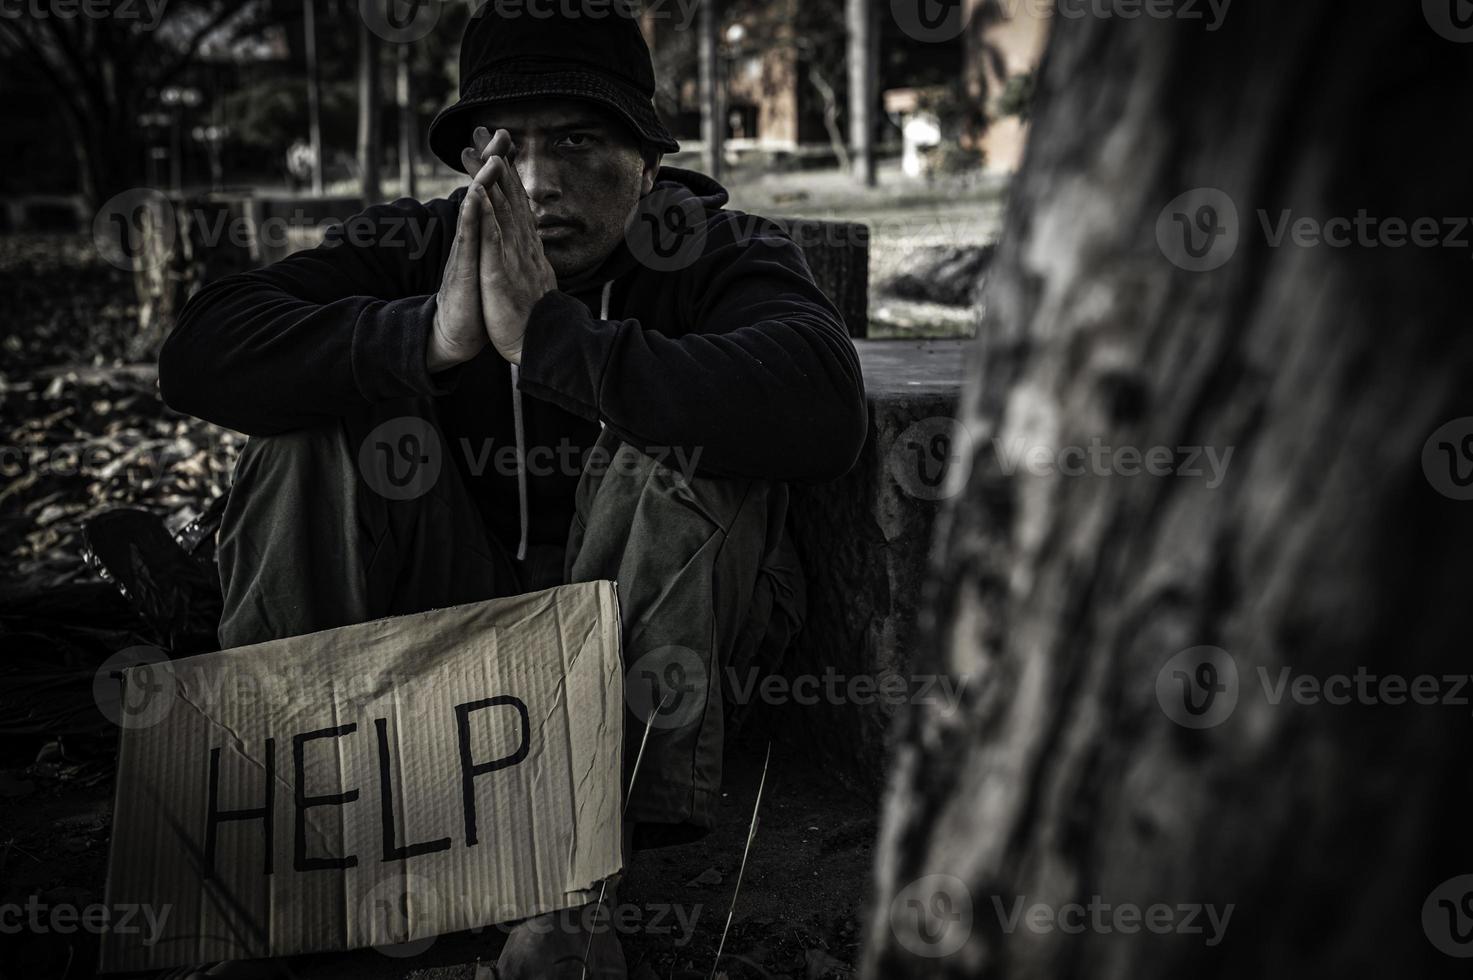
[[516, 421], [521, 433]]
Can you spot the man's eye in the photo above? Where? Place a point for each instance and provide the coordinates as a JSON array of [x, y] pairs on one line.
[[576, 140]]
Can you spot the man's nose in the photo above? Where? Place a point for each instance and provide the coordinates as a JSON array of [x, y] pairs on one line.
[[539, 176]]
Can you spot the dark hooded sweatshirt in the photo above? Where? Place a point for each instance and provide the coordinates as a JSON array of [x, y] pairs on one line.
[[737, 356]]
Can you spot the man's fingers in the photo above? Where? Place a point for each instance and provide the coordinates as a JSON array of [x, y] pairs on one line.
[[499, 172], [488, 144], [466, 252], [491, 171], [522, 221], [470, 161], [473, 157], [501, 208], [491, 238], [510, 183], [514, 222], [487, 171], [507, 196]]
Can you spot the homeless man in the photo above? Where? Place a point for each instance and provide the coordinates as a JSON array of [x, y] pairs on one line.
[[659, 395]]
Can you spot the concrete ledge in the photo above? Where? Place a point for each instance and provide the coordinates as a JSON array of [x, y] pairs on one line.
[[865, 542]]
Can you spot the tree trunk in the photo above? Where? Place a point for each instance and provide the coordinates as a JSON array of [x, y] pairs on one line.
[[370, 101], [109, 150], [713, 122], [864, 75], [1100, 755], [314, 91], [830, 115], [408, 124]]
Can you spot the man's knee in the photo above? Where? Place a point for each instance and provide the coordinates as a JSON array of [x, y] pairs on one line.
[[295, 448], [621, 481], [293, 459]]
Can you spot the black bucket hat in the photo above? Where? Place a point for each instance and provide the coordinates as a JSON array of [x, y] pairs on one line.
[[518, 49]]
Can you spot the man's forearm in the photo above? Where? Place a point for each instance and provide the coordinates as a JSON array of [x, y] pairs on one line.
[[249, 357]]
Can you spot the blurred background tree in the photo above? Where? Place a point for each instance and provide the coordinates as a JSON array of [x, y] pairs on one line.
[[131, 93], [106, 73]]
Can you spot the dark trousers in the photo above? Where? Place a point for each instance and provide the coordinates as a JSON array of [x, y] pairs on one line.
[[317, 534]]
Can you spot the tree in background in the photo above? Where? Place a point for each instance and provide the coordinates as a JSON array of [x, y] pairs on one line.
[[107, 71], [1136, 730], [268, 109]]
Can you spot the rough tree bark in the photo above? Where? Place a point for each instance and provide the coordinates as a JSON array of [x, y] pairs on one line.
[[1326, 549]]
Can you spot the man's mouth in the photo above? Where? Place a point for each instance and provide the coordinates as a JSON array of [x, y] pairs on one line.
[[554, 228]]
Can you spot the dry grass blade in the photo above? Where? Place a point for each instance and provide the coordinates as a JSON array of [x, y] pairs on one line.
[[737, 890], [628, 795]]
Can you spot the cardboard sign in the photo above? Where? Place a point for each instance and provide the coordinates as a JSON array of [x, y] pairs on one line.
[[371, 785]]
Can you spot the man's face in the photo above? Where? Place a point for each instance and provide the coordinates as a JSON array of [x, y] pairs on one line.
[[583, 173]]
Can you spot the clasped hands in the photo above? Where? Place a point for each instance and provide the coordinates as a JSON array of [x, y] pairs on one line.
[[496, 270]]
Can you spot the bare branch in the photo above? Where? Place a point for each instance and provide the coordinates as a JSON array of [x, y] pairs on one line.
[[192, 46]]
